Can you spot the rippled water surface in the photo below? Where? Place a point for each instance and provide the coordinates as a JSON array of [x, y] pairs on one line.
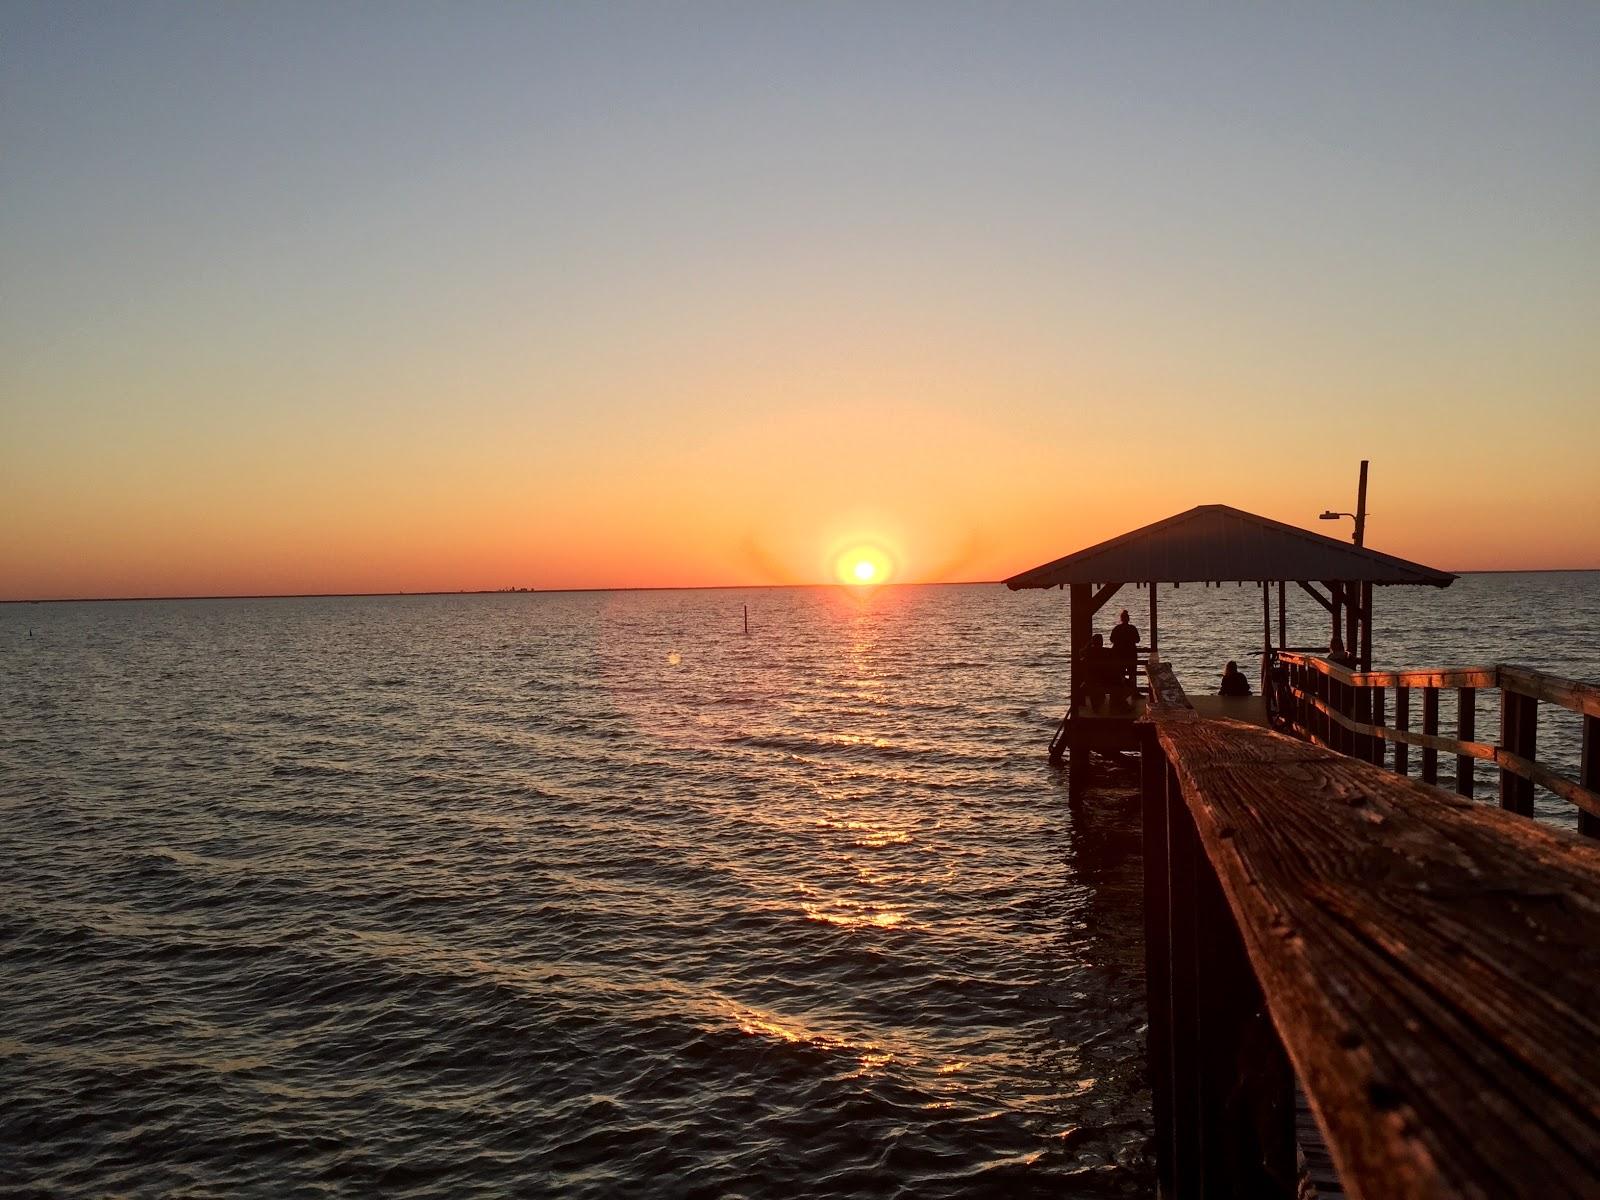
[[591, 894]]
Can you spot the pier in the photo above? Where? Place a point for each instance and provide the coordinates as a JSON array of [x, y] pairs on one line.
[[1359, 982]]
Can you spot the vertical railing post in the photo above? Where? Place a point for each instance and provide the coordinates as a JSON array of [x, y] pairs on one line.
[[1589, 774], [1325, 686], [1246, 1086], [1379, 744], [1183, 852], [1347, 708], [1402, 724], [1519, 733], [1302, 708], [1466, 731], [1154, 773], [1430, 726], [1361, 710]]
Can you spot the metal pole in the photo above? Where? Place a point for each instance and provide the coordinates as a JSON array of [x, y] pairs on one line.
[[1361, 507], [1266, 637]]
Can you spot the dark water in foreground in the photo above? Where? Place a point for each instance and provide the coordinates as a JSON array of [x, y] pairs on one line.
[[589, 894]]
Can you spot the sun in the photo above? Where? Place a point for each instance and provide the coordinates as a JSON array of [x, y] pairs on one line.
[[864, 565]]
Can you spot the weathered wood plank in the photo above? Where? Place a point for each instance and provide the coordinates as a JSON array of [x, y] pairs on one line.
[[1319, 1171], [1569, 693], [1430, 964], [1589, 770]]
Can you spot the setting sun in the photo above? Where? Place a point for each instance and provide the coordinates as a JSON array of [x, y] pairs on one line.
[[864, 564]]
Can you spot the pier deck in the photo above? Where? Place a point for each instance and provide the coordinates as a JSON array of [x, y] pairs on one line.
[[1428, 966]]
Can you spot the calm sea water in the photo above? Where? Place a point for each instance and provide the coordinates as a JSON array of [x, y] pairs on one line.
[[593, 895]]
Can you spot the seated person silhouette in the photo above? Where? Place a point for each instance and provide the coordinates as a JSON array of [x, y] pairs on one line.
[[1338, 654], [1233, 683]]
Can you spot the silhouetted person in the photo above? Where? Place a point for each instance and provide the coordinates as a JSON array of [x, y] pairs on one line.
[[1233, 683], [1125, 648], [1098, 672], [1338, 654]]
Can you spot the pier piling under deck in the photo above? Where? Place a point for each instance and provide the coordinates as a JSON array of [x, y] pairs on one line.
[[1427, 966]]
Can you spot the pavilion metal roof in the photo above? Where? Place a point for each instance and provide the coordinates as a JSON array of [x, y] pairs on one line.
[[1212, 543]]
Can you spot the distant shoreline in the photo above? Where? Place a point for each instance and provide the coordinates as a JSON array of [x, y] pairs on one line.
[[703, 587]]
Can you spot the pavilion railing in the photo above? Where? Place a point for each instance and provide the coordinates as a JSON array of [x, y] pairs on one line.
[[1350, 711]]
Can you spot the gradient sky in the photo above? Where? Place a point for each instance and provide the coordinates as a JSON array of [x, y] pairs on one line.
[[376, 296]]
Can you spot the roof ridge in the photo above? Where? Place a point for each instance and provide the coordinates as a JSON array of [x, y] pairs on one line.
[[1156, 561]]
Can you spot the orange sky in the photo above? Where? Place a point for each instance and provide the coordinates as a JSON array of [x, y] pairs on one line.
[[575, 297]]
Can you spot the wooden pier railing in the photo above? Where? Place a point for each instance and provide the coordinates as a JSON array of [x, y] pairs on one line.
[[1424, 966], [1349, 711]]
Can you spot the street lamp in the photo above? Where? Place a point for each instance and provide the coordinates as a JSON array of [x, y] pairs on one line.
[[1360, 515]]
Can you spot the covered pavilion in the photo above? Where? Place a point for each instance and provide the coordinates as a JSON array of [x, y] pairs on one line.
[[1213, 544]]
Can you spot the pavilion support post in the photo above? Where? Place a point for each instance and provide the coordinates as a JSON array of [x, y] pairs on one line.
[[1283, 613], [1336, 610], [1154, 644], [1352, 619], [1080, 618], [1366, 627], [1266, 640]]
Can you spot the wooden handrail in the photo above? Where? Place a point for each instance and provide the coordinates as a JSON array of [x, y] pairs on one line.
[[1568, 693], [1473, 677], [1344, 710], [1424, 964]]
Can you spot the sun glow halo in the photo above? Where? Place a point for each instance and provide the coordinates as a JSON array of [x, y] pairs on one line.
[[862, 566]]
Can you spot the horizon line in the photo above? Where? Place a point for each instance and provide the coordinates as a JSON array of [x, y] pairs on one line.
[[691, 587]]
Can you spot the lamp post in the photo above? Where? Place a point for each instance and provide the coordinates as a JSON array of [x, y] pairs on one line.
[[1355, 599], [1360, 514]]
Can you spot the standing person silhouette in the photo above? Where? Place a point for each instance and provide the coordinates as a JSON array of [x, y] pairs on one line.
[[1125, 648]]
